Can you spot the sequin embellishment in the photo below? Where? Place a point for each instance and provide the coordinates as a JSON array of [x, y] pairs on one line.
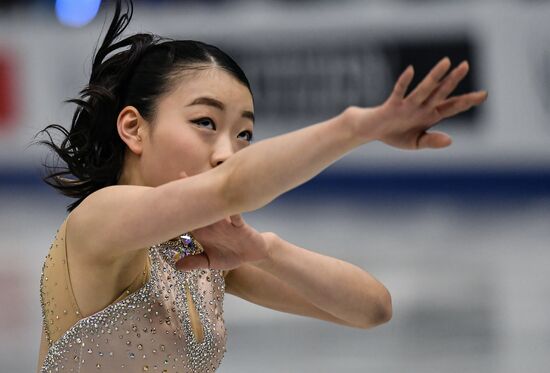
[[177, 248], [150, 329]]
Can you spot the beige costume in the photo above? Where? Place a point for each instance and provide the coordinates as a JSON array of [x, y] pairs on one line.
[[165, 321]]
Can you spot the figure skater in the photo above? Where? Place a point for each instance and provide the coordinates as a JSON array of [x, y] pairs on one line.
[[160, 161]]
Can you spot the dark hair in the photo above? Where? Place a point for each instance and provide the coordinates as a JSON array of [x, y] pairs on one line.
[[134, 71]]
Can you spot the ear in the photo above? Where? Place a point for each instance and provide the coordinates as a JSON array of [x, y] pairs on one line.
[[132, 128]]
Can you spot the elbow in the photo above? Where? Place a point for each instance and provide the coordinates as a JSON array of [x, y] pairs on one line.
[[386, 312], [386, 309], [381, 312]]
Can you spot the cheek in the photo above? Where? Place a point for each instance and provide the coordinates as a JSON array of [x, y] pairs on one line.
[[186, 145], [184, 150]]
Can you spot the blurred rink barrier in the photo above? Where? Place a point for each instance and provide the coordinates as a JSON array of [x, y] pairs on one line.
[[459, 236]]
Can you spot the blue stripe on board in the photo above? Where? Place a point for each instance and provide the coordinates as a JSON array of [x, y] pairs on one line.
[[458, 183], [490, 183]]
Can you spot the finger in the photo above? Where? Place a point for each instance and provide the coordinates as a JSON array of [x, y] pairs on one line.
[[458, 104], [430, 82], [403, 83], [183, 175], [193, 262], [434, 140], [449, 84], [237, 220]]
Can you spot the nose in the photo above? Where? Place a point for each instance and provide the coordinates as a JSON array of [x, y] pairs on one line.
[[223, 149]]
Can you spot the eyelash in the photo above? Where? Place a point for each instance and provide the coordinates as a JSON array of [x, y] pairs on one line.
[[197, 121]]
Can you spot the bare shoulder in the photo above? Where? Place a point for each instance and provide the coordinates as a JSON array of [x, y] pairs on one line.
[[93, 225], [95, 280]]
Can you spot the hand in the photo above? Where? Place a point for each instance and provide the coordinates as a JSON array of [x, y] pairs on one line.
[[227, 244], [403, 122]]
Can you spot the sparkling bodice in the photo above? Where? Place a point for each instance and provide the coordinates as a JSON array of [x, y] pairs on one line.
[[173, 323]]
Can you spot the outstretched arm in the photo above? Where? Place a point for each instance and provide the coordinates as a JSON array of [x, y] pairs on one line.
[[259, 173], [402, 121]]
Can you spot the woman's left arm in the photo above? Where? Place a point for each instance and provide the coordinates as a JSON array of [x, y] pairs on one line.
[[271, 272], [295, 280]]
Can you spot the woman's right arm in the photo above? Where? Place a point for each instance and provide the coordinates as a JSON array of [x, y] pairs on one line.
[[263, 171], [119, 218]]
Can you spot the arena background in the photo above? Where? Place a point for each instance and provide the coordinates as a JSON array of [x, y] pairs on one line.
[[459, 236]]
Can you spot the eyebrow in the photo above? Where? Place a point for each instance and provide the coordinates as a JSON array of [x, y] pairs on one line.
[[209, 101]]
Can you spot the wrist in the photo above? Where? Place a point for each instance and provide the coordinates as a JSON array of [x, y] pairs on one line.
[[270, 239], [362, 123]]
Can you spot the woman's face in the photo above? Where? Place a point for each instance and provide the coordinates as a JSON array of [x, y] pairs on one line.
[[207, 118]]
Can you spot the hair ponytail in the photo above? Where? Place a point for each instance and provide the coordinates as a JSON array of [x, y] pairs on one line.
[[135, 71]]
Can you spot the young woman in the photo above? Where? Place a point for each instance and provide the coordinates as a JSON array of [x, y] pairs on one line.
[[162, 167]]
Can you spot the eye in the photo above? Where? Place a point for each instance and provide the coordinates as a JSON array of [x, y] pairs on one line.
[[250, 135], [202, 121]]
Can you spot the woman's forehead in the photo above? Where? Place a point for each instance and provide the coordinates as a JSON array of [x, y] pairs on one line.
[[214, 84]]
